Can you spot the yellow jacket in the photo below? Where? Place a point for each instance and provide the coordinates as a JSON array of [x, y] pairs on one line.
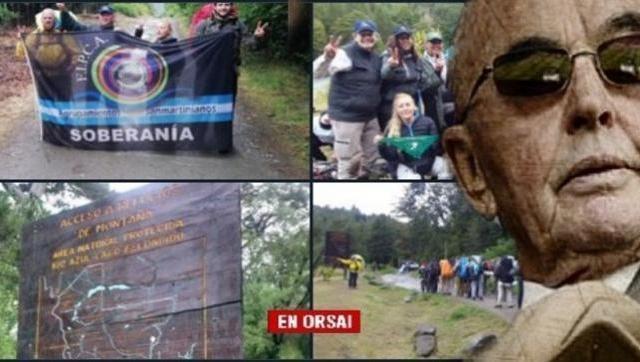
[[353, 265], [53, 52]]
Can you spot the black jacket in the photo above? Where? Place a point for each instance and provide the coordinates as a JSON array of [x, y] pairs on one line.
[[354, 94], [422, 126], [412, 76]]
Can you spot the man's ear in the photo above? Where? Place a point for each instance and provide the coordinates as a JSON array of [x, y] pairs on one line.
[[458, 146]]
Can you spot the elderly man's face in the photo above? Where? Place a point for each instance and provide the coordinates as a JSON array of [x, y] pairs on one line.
[[48, 20], [560, 169]]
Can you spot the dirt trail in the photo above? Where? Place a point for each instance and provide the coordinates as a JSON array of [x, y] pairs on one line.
[[409, 282], [24, 155]]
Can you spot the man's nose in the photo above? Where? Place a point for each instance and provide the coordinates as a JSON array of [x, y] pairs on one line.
[[590, 106]]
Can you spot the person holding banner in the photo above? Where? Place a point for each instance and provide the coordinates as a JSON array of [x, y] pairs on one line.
[[55, 53], [403, 71], [106, 20], [164, 33], [224, 18], [408, 142]]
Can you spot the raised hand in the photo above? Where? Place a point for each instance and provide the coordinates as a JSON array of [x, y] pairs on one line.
[[332, 47], [260, 29], [394, 59], [21, 29], [439, 62]]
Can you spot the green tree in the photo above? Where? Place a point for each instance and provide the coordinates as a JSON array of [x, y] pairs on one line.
[[276, 265], [20, 204]]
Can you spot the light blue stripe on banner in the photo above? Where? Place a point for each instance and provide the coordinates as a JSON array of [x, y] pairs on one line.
[[164, 119], [176, 110], [202, 100]]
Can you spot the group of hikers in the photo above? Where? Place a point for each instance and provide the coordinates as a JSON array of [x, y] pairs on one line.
[[209, 19], [470, 276], [372, 98]]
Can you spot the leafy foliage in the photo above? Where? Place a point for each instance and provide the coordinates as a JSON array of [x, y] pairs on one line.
[[338, 19], [21, 203], [6, 14], [439, 223], [275, 226], [276, 44], [133, 9]]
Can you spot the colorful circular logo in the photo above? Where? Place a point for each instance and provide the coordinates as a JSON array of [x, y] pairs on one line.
[[129, 75]]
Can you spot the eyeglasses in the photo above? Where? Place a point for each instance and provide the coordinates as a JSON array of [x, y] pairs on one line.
[[544, 70]]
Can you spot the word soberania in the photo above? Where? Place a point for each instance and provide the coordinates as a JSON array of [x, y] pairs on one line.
[[132, 134]]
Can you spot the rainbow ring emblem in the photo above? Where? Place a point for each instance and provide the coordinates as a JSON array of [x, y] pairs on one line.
[[129, 75]]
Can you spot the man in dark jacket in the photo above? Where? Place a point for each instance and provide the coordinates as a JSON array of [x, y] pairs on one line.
[[224, 18], [504, 275], [106, 21], [354, 96]]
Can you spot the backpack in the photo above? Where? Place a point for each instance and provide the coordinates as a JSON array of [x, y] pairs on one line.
[[446, 270], [462, 271], [504, 271], [473, 270]]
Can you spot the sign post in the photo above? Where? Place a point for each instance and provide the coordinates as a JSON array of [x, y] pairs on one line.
[[152, 273]]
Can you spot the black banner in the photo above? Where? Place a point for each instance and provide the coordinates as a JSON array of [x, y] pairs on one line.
[[110, 91]]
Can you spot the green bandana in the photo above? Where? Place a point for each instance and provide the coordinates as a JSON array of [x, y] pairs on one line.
[[413, 146]]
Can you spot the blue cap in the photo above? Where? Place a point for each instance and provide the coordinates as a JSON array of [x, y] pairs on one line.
[[401, 29], [365, 25], [106, 9]]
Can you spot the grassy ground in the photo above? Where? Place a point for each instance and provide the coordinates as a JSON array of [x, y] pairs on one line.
[[280, 91], [388, 323]]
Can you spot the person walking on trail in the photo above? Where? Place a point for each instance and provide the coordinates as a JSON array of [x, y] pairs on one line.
[[446, 277], [224, 18], [504, 274], [354, 266], [475, 273], [106, 21], [354, 97], [433, 273], [422, 272]]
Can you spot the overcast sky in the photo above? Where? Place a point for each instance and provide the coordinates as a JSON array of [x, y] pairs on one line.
[[368, 197]]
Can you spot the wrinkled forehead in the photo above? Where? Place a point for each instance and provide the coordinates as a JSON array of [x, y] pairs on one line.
[[489, 28]]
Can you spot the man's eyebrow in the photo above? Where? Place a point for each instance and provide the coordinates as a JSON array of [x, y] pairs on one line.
[[534, 42], [626, 21]]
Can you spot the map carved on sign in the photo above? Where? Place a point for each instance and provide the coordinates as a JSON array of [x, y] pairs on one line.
[[127, 317]]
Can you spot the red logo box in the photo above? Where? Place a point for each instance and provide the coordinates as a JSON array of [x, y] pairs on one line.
[[313, 321]]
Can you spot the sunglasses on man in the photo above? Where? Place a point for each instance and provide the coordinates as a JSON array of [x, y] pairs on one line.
[[538, 71]]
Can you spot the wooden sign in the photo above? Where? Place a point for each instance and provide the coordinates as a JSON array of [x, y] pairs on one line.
[[152, 273], [337, 244]]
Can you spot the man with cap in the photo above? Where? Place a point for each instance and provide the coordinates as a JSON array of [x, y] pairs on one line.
[[434, 98], [354, 96], [106, 20], [403, 71], [548, 140], [434, 54]]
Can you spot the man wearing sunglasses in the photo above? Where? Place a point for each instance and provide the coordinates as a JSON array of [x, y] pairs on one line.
[[547, 102], [354, 96]]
